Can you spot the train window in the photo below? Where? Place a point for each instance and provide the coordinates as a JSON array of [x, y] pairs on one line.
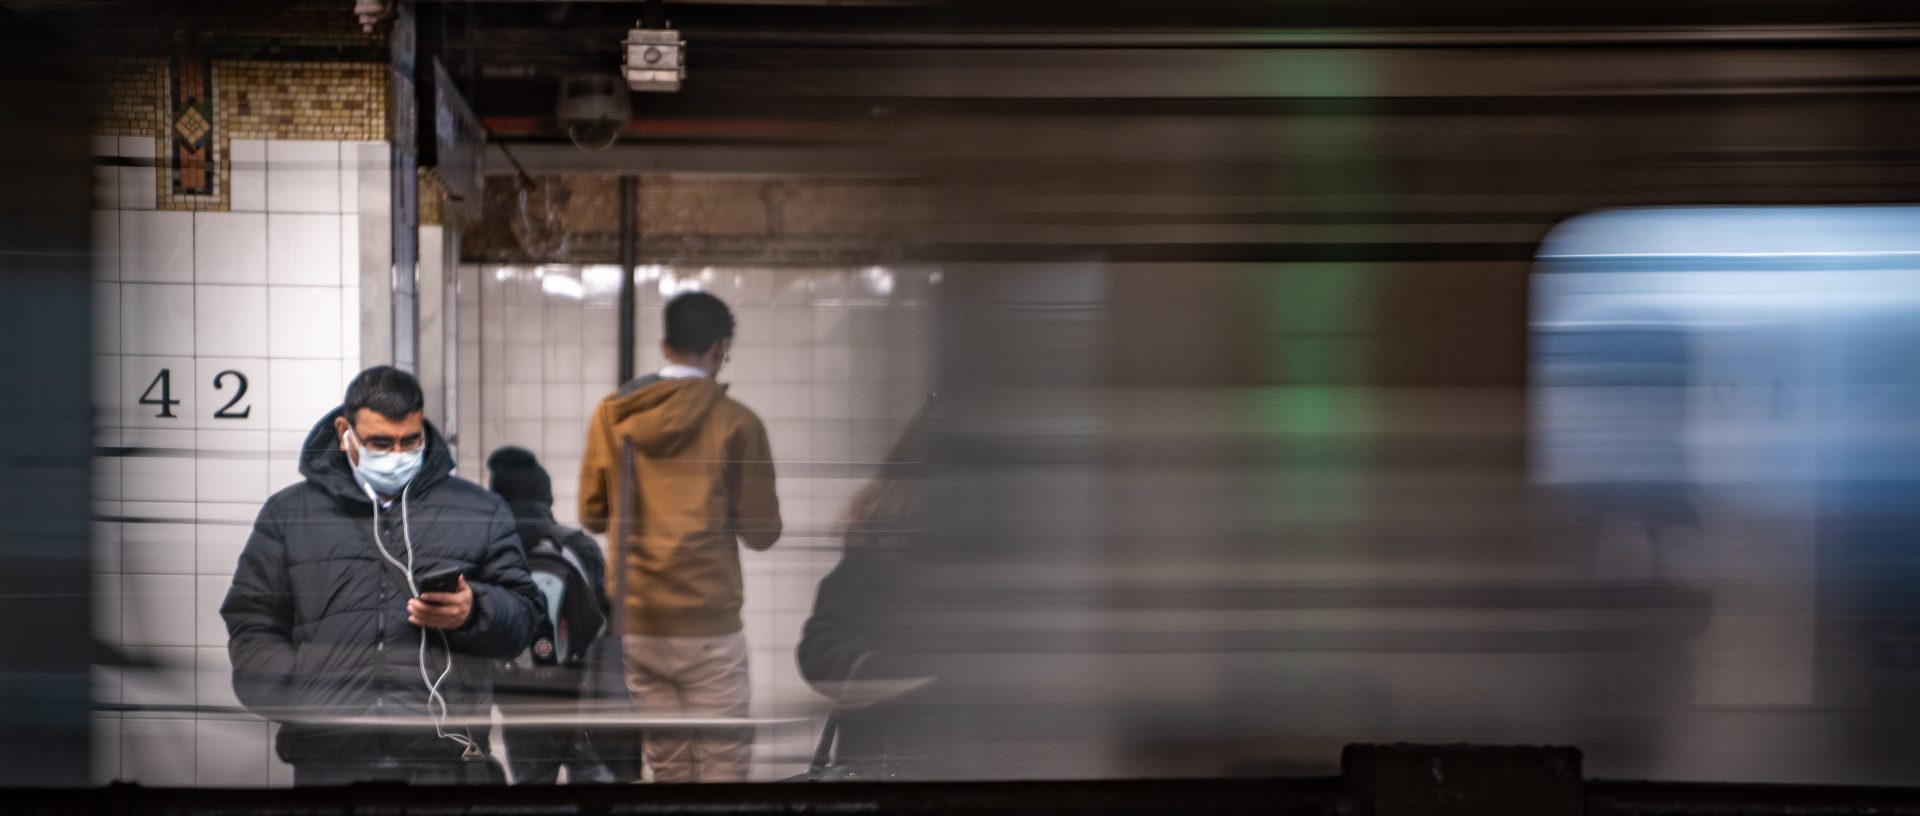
[[1727, 397]]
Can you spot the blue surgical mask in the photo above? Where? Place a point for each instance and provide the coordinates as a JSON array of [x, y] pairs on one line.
[[387, 473]]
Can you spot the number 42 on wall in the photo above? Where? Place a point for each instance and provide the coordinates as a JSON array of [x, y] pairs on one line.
[[163, 383]]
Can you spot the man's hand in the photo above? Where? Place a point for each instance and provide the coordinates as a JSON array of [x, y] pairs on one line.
[[442, 610]]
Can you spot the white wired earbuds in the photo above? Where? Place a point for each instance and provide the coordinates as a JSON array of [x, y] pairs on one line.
[[436, 704]]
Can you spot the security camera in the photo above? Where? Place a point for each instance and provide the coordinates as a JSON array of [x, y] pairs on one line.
[[655, 60], [593, 108]]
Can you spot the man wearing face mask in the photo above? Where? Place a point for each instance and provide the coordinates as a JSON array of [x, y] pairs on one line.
[[371, 677]]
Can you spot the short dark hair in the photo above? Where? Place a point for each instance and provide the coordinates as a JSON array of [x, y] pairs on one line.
[[696, 321], [386, 391]]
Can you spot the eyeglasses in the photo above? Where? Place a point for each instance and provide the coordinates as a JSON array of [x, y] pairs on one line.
[[388, 444]]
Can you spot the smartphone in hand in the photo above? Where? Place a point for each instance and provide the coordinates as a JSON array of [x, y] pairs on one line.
[[444, 579]]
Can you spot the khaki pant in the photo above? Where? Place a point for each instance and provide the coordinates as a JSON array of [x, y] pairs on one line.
[[695, 677]]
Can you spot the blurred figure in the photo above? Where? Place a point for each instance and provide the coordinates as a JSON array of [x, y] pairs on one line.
[[860, 648], [698, 468], [325, 617], [547, 683]]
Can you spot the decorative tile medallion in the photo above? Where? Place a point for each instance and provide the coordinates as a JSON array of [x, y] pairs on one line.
[[191, 103]]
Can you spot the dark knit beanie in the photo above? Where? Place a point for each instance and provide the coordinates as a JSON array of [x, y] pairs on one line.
[[517, 476]]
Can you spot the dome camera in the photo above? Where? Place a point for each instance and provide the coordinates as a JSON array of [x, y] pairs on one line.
[[594, 108]]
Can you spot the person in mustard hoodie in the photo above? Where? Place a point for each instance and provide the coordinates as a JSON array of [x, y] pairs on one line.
[[681, 472]]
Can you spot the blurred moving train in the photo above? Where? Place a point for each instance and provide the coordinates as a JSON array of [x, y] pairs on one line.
[[1314, 375]]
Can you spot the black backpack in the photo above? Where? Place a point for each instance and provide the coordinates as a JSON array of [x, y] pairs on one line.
[[573, 619]]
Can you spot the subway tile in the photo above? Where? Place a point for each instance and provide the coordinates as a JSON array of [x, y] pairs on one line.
[[751, 365], [563, 440], [350, 178], [787, 441], [831, 327], [230, 321], [105, 243], [220, 534], [304, 322], [600, 324], [231, 393], [591, 394], [210, 630], [231, 754], [600, 363], [303, 250], [868, 326], [832, 364], [106, 468], [283, 457], [302, 391], [350, 325], [303, 177], [103, 746], [794, 326], [831, 441], [157, 752], [564, 404], [247, 185], [106, 179], [231, 466], [870, 364], [105, 607], [158, 537], [793, 364], [564, 364], [156, 319], [563, 324], [104, 538], [230, 247], [525, 433], [159, 467], [106, 318], [868, 404], [831, 400], [526, 401], [139, 180], [753, 326], [525, 324], [525, 363], [350, 250], [156, 247], [158, 611]]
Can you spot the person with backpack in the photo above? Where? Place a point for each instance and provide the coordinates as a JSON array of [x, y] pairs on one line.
[[573, 667]]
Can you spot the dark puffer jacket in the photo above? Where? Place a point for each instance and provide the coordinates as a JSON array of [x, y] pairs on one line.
[[317, 619]]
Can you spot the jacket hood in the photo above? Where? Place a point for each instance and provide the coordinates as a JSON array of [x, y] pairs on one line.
[[661, 416], [327, 467]]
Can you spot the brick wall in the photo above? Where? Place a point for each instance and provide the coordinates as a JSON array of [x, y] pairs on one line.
[[704, 220]]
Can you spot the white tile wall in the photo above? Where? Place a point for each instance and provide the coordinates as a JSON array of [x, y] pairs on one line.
[[816, 355], [305, 322], [159, 611], [139, 182], [231, 754], [248, 185], [156, 319], [303, 392], [303, 177], [253, 315], [106, 245], [156, 246], [229, 321], [303, 250], [157, 752], [160, 539], [230, 247]]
